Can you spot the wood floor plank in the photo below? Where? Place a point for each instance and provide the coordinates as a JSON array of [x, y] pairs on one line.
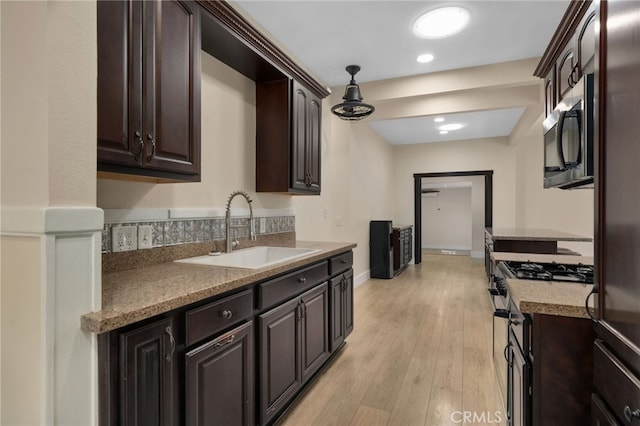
[[369, 416]]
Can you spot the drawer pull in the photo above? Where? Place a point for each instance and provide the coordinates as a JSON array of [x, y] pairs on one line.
[[227, 314], [225, 342], [630, 415], [302, 280], [172, 342], [344, 261]]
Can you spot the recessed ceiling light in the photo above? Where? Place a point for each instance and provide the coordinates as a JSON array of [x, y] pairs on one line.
[[441, 22], [423, 59], [438, 119], [443, 132], [452, 126]]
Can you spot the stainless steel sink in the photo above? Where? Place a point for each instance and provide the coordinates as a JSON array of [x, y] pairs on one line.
[[252, 257]]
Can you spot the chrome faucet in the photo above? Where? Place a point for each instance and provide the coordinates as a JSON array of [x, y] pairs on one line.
[[233, 243]]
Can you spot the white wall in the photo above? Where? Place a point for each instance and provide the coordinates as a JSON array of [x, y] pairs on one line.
[[447, 219]]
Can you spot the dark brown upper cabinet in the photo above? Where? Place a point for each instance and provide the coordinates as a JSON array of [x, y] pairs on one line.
[[288, 132], [569, 52], [149, 89]]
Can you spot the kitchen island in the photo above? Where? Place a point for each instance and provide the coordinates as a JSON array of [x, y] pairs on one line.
[[526, 240]]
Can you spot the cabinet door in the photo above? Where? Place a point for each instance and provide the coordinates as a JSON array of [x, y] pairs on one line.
[[348, 303], [171, 78], [337, 312], [119, 82], [586, 40], [149, 380], [600, 414], [280, 372], [565, 69], [315, 329], [550, 92], [619, 300], [299, 132], [314, 142], [341, 289], [220, 381], [306, 137]]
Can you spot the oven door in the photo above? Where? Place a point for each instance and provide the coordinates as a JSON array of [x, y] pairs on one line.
[[518, 401], [500, 337]]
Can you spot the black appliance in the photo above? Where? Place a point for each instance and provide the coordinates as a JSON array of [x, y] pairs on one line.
[[569, 139], [381, 249]]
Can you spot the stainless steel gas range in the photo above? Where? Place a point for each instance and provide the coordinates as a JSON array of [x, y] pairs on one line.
[[512, 331]]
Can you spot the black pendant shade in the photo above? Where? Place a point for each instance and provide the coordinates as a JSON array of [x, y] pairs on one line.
[[352, 108]]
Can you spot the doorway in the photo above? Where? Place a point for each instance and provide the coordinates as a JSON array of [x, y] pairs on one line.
[[488, 202]]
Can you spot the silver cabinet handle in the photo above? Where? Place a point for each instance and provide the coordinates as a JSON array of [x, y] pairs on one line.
[[302, 280], [153, 147], [172, 341], [227, 314], [631, 414], [225, 342], [140, 141]]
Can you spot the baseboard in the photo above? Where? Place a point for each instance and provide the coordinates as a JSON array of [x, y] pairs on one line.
[[361, 278], [478, 254]]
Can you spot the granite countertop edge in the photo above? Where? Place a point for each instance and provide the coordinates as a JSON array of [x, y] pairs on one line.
[[124, 311], [550, 297], [534, 234]]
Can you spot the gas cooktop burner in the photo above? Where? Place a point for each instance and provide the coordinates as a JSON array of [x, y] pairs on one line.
[[551, 271]]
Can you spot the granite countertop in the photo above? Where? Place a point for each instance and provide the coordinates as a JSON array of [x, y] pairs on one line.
[[534, 234], [137, 294], [550, 297], [498, 256]]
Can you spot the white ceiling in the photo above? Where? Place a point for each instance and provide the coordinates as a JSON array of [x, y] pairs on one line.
[[325, 36], [480, 124]]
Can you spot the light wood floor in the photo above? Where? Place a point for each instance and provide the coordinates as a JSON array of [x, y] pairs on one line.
[[420, 353]]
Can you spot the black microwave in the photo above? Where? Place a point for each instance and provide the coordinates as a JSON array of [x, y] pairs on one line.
[[568, 139]]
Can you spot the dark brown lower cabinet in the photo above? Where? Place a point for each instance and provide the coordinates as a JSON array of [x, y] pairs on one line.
[[341, 289], [315, 330], [294, 343], [149, 375], [235, 359], [562, 370], [220, 384], [600, 414]]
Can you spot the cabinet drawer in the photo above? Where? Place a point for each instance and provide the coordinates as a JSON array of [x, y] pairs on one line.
[[207, 320], [281, 288], [340, 263], [617, 386]]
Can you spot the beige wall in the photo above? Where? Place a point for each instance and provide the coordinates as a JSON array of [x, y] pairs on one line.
[[49, 120], [48, 133], [482, 154], [565, 210]]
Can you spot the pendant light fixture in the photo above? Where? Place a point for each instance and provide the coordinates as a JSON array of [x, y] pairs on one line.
[[352, 108]]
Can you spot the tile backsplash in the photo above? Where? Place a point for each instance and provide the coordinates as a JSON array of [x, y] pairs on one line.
[[172, 232]]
